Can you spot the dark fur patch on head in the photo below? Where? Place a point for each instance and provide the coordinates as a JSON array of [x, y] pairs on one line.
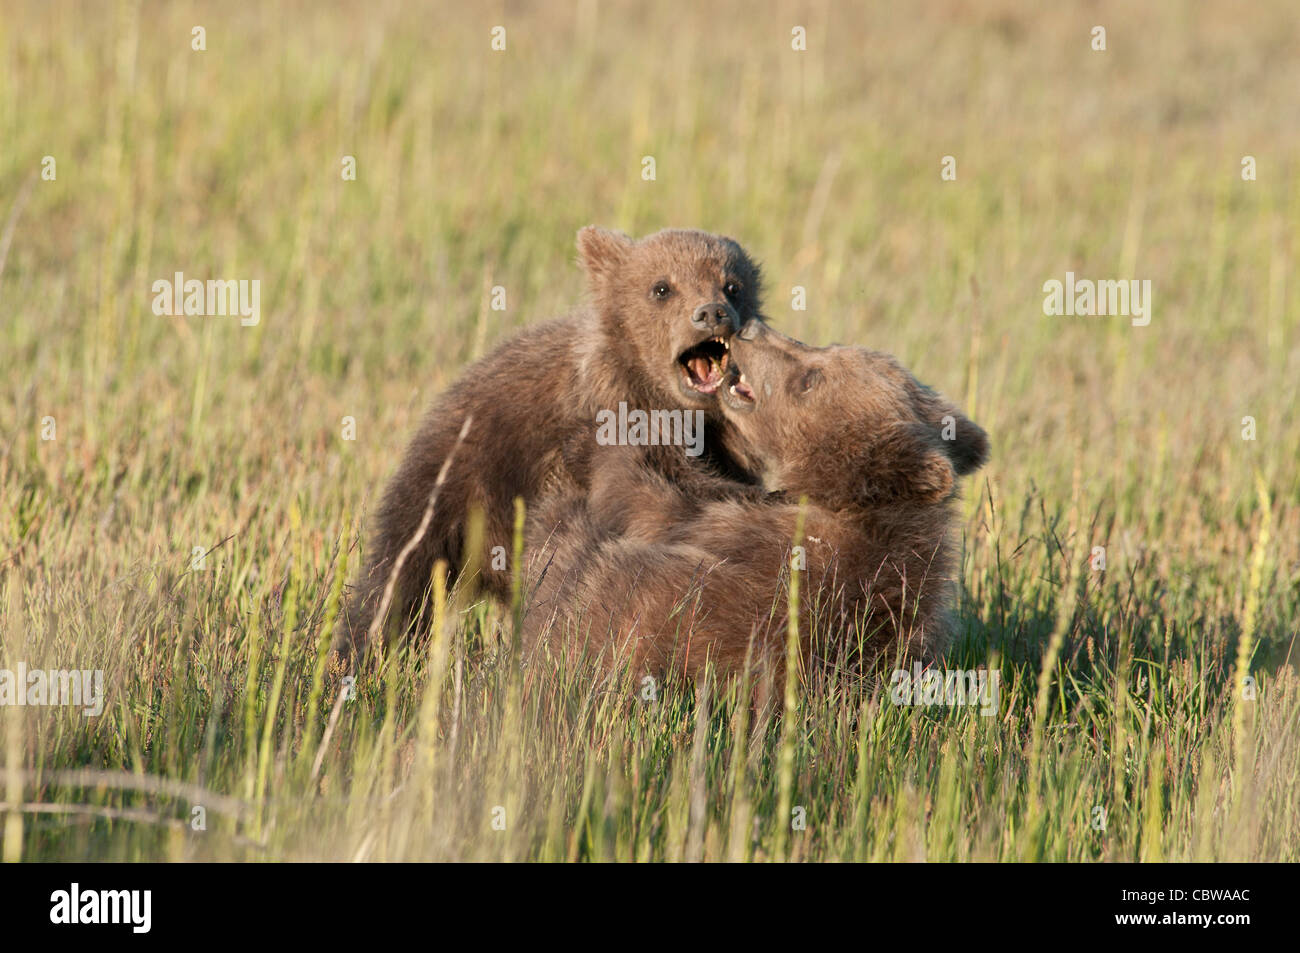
[[691, 261]]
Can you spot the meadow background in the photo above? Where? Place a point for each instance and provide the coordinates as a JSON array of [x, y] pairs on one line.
[[1121, 690]]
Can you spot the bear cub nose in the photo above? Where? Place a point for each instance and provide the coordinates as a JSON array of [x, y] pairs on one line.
[[715, 316]]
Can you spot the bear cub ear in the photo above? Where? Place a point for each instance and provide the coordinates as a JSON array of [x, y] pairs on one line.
[[602, 251], [965, 441]]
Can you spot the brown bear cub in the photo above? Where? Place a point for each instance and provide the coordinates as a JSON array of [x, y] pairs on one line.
[[647, 575], [655, 339]]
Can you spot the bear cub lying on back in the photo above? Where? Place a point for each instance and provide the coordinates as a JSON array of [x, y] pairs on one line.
[[645, 575], [656, 337]]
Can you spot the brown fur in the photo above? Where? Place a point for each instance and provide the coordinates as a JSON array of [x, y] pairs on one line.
[[648, 574], [534, 403]]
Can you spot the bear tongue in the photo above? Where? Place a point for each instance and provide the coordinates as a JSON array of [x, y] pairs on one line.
[[702, 369]]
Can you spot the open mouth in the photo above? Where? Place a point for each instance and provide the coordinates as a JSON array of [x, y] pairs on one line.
[[736, 392], [738, 388], [705, 365]]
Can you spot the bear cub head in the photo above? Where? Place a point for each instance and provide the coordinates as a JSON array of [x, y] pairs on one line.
[[849, 427], [667, 307]]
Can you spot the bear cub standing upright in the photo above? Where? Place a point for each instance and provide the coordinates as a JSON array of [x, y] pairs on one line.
[[655, 338]]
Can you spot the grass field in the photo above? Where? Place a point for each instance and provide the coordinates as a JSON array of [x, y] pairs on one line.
[[1126, 730]]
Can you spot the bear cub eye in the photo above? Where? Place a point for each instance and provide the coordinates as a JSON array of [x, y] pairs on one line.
[[731, 289], [661, 290], [810, 379]]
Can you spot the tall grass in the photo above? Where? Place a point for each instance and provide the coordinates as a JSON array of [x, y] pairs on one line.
[[1148, 709]]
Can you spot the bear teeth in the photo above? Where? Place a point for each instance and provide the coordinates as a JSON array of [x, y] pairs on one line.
[[706, 364]]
